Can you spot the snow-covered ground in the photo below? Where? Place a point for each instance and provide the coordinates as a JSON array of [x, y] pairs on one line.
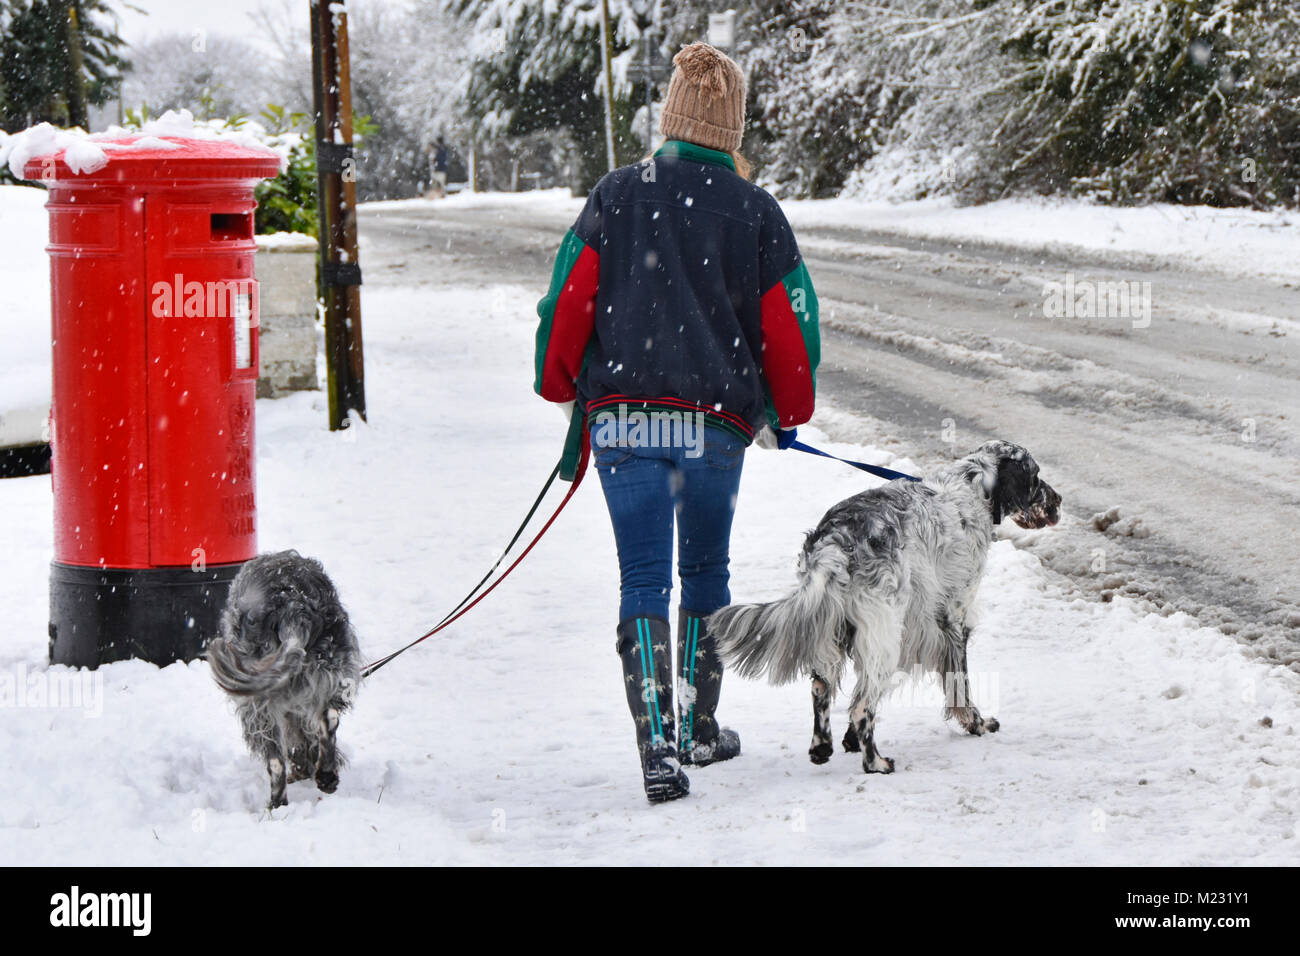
[[1237, 241], [1126, 738]]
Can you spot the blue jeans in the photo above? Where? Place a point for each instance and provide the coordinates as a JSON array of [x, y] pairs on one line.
[[647, 490]]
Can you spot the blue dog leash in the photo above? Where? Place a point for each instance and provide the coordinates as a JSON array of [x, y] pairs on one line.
[[879, 472]]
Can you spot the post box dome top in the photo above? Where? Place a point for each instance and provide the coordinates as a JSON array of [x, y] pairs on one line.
[[173, 147]]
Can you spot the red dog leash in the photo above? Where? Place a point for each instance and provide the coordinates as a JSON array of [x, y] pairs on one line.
[[572, 466]]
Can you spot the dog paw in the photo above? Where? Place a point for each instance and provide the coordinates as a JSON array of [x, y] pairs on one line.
[[981, 726], [879, 764], [277, 801], [821, 752], [327, 781]]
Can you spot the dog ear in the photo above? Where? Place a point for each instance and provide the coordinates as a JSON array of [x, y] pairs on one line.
[[1012, 488], [981, 474]]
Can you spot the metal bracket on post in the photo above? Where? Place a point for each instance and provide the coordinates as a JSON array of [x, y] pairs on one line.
[[340, 273], [333, 157]]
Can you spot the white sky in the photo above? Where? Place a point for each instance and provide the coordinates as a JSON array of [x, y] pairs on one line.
[[186, 16]]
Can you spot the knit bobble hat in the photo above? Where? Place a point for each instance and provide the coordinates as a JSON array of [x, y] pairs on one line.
[[706, 99]]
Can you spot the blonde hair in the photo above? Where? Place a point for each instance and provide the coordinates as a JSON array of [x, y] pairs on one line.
[[744, 168]]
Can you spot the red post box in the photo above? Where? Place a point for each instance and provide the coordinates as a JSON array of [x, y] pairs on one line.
[[155, 369]]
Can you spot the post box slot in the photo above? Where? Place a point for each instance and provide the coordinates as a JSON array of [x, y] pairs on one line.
[[231, 225]]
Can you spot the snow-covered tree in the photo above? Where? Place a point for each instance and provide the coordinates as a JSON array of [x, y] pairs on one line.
[[406, 64], [927, 71], [1155, 99], [211, 76], [818, 107], [57, 58], [1124, 100], [283, 26], [535, 65], [813, 116]]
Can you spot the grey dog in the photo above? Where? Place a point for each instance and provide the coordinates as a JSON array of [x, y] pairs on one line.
[[288, 655], [887, 580]]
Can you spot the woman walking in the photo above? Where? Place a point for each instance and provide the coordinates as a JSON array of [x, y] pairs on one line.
[[682, 321]]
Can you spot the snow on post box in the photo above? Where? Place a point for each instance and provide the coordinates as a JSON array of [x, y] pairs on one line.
[[154, 332]]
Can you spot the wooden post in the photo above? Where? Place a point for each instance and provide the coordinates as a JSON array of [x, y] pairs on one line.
[[74, 89], [606, 54], [340, 268]]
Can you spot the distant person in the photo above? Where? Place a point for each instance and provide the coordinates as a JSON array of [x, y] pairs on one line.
[[679, 301], [438, 155]]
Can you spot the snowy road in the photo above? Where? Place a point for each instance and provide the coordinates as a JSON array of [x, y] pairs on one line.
[[1189, 426]]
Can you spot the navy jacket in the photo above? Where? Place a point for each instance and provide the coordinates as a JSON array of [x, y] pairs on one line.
[[681, 287]]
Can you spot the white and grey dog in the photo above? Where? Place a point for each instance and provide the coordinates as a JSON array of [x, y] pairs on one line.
[[887, 579], [288, 655]]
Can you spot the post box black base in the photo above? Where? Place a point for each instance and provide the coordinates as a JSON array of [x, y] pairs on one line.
[[24, 460], [161, 615]]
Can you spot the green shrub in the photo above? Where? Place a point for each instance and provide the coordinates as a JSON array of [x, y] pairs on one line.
[[288, 202]]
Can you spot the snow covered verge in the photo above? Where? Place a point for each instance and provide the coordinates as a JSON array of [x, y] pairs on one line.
[[1236, 241], [1126, 738], [554, 200]]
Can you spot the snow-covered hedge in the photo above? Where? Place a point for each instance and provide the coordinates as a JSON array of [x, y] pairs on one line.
[[1187, 101]]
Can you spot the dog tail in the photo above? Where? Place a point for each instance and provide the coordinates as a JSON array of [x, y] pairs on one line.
[[237, 671], [796, 635]]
